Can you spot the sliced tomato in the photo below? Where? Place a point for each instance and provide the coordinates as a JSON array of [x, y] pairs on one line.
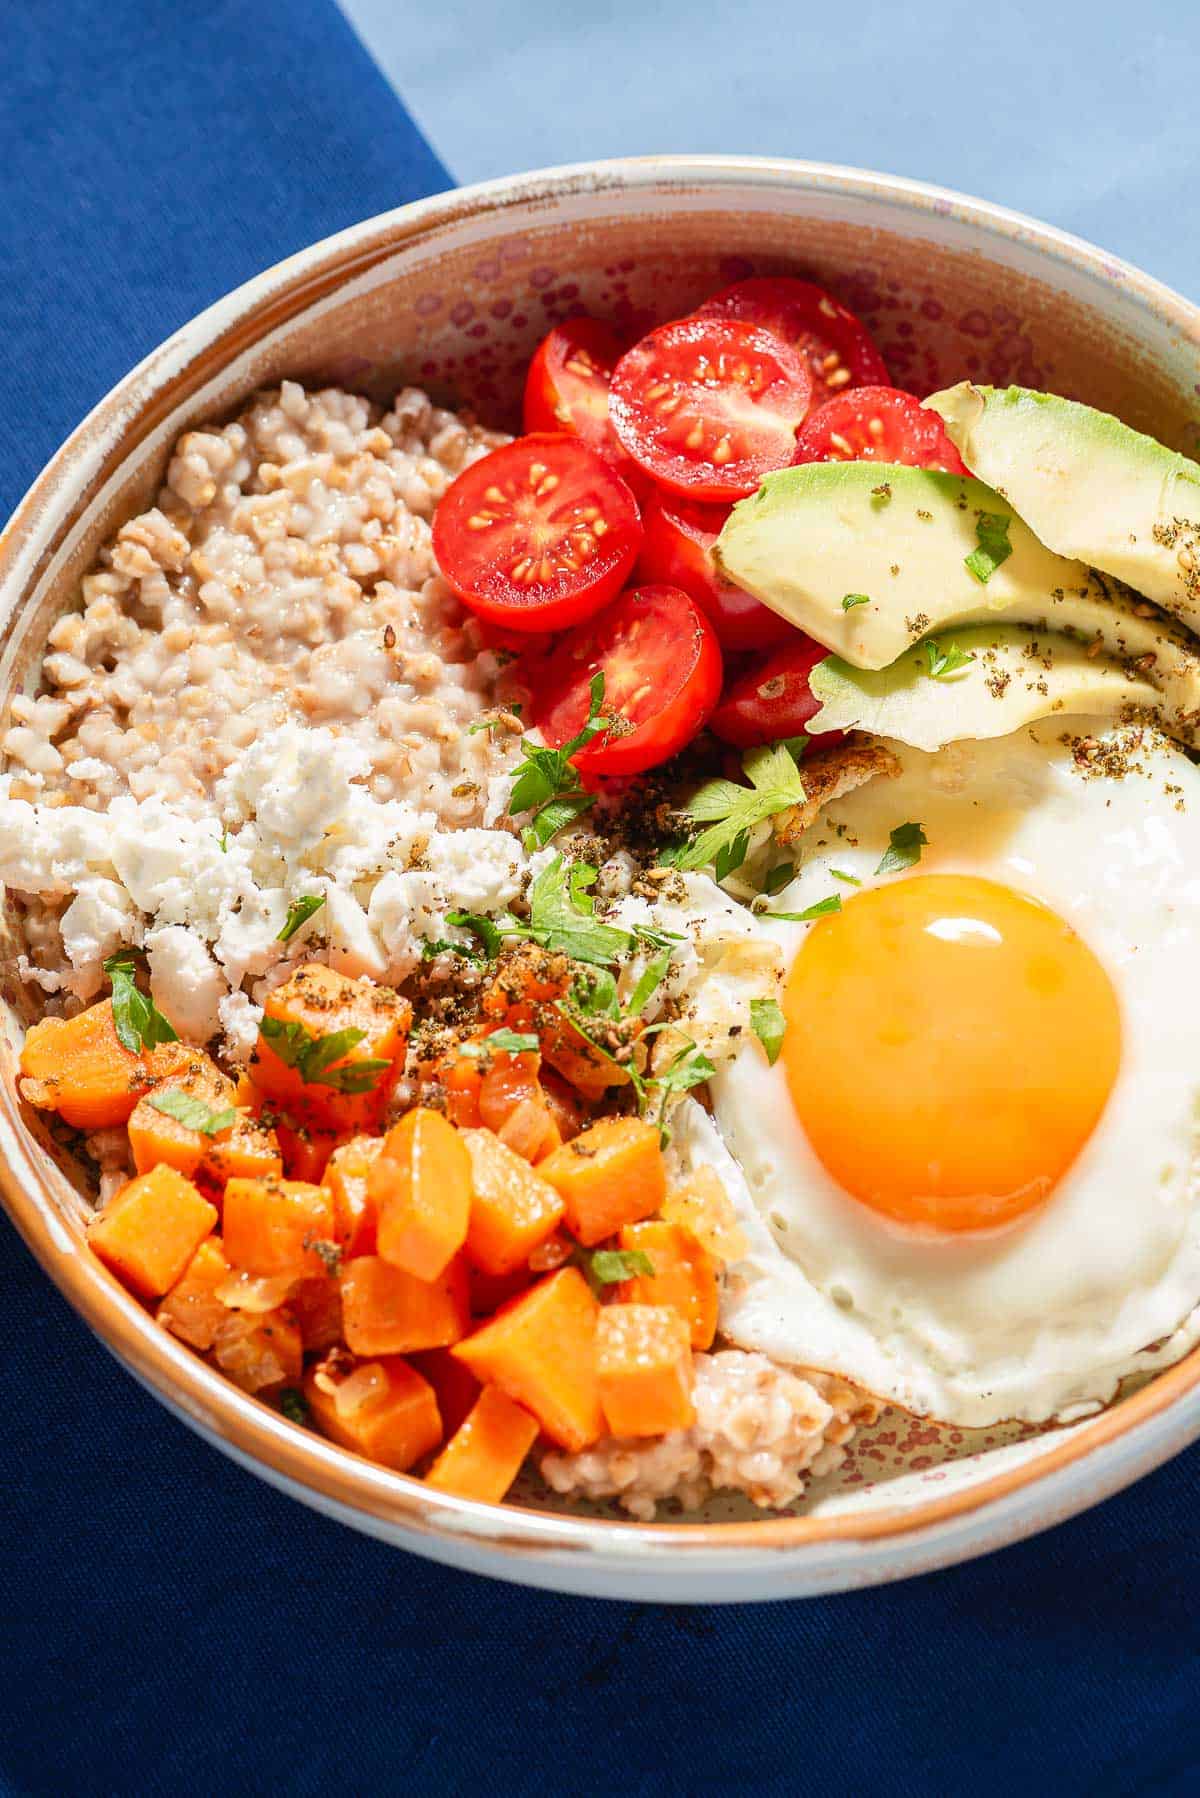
[[877, 424], [838, 346], [661, 664], [677, 552], [708, 406], [537, 535], [566, 388], [773, 698]]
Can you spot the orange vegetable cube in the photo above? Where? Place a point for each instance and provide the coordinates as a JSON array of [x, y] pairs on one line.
[[316, 1304], [455, 1385], [541, 1351], [305, 1148], [258, 1349], [319, 1003], [386, 1311], [149, 1231], [346, 1176], [382, 1409], [244, 1147], [684, 1276], [705, 1208], [611, 1174], [644, 1369], [275, 1226], [490, 1291], [484, 1456], [513, 1209], [191, 1308], [523, 996], [80, 1068], [421, 1187]]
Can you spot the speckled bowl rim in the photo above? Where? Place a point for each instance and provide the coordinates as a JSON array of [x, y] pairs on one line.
[[678, 1560]]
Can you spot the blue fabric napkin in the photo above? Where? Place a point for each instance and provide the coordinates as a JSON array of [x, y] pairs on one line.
[[169, 1624]]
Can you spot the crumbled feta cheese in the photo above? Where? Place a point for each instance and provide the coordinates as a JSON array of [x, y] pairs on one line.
[[295, 782], [240, 1019], [186, 982], [249, 939], [51, 849], [99, 919], [354, 948]]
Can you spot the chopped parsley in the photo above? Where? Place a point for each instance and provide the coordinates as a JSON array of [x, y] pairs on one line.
[[299, 912], [904, 849], [778, 877], [509, 1042], [610, 1265], [731, 810], [821, 909], [562, 915], [313, 1056], [513, 711], [991, 530], [942, 663], [652, 977], [851, 880], [139, 1023], [293, 1404], [444, 947], [193, 1114], [490, 934], [547, 782], [851, 600], [767, 1023]]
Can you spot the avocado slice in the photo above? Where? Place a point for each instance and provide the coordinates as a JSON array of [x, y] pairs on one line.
[[1014, 679], [1087, 485], [895, 542]]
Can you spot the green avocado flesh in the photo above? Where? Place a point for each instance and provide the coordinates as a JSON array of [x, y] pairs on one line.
[[1087, 485], [896, 542], [1015, 678]]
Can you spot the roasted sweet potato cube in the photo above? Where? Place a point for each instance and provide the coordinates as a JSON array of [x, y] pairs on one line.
[[684, 1276], [513, 1208], [421, 1188], [80, 1068], [644, 1369], [346, 1176], [484, 1456], [387, 1411], [159, 1130], [316, 1304], [149, 1231], [386, 1311], [191, 1308], [455, 1385], [705, 1208], [338, 1091], [611, 1174], [541, 1350], [278, 1226]]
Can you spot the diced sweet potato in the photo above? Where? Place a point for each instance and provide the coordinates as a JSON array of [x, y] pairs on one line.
[[387, 1411], [611, 1174], [386, 1311], [484, 1456], [346, 1176], [318, 1003], [455, 1385], [525, 993], [490, 1291], [244, 1148], [421, 1187], [512, 1208], [705, 1208], [80, 1068], [541, 1351], [191, 1308], [258, 1349], [644, 1369], [306, 1149], [275, 1226], [316, 1304], [684, 1277], [149, 1231]]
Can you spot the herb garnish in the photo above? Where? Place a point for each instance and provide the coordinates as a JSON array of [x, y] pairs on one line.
[[444, 947], [731, 810], [945, 662], [547, 782], [299, 912], [904, 849], [513, 711], [139, 1023], [509, 1042], [562, 915], [851, 880], [610, 1265], [193, 1114], [767, 1023], [855, 599], [293, 1404], [312, 1056], [778, 877], [821, 909], [991, 529]]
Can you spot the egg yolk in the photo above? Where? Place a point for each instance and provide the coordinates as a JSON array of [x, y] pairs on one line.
[[950, 1047]]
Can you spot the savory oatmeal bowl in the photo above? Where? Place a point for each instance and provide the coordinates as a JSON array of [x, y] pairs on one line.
[[596, 850]]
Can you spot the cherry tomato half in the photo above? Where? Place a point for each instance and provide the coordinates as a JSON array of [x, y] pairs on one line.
[[537, 535], [772, 699], [566, 388], [662, 675], [709, 406], [677, 552], [838, 347], [877, 424]]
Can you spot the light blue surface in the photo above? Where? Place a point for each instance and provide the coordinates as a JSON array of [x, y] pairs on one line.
[[1083, 115]]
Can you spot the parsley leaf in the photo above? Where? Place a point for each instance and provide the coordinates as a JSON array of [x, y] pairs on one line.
[[653, 975], [490, 934], [730, 856], [610, 1265], [547, 782], [293, 1404], [442, 947], [510, 1042], [554, 816], [194, 1114], [991, 529], [820, 910], [851, 880], [691, 1067], [139, 1023], [731, 810], [778, 877], [313, 1056], [945, 662], [492, 723], [561, 916], [855, 599], [299, 912], [767, 1023], [594, 991], [904, 849]]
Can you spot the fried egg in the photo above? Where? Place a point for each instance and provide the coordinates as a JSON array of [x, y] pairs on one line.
[[970, 1181]]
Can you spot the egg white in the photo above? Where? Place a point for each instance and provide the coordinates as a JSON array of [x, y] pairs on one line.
[[1046, 1316]]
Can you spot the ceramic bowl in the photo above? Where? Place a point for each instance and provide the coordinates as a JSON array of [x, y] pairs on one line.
[[453, 293]]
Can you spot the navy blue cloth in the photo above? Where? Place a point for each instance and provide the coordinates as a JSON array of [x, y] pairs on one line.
[[167, 1623]]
